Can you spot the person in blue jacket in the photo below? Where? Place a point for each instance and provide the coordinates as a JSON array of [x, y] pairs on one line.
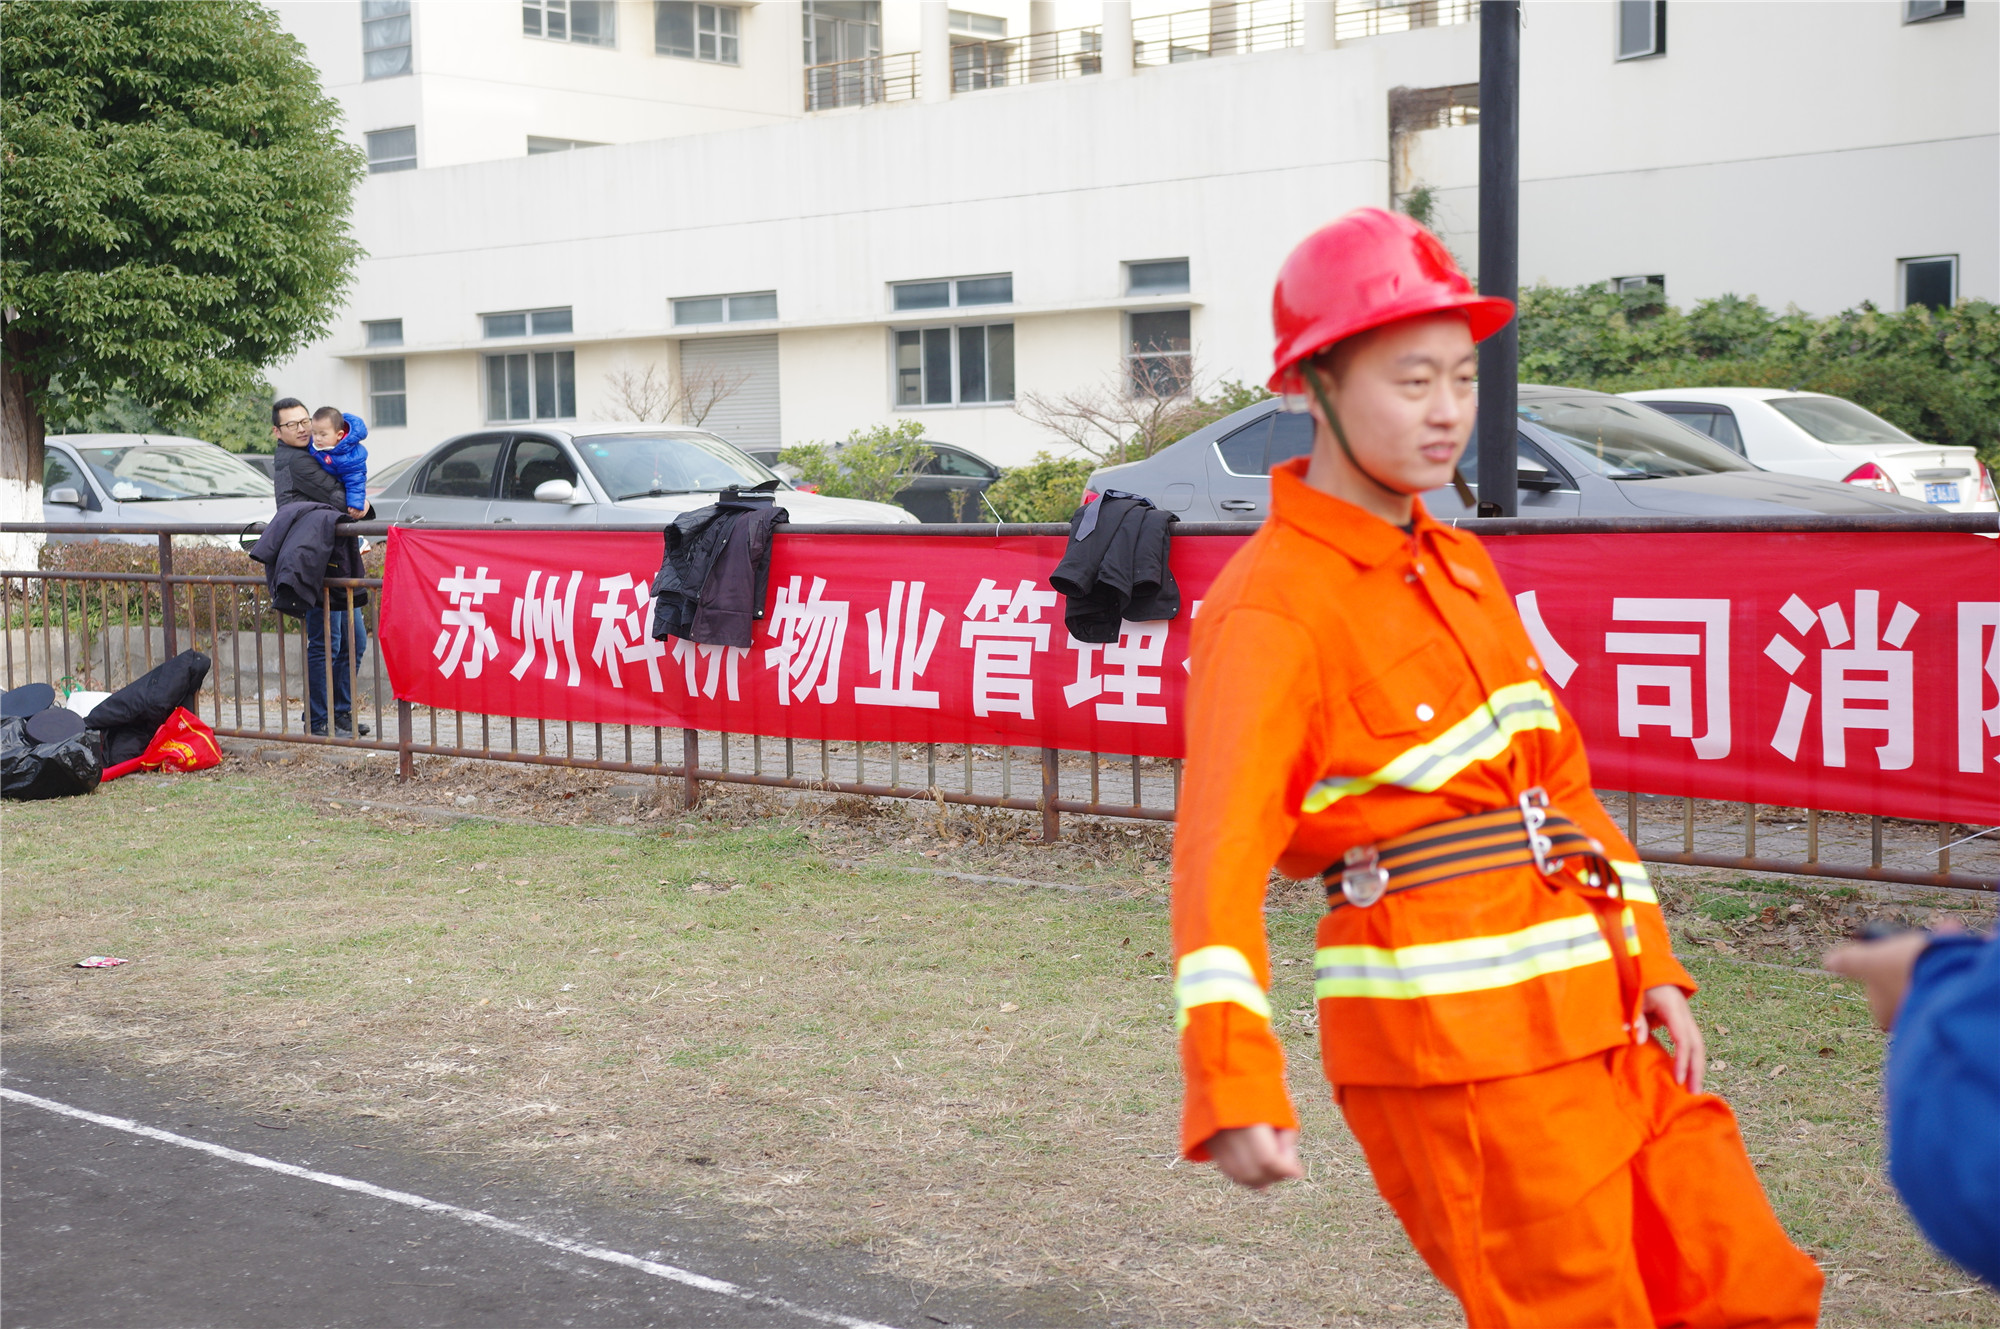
[[1940, 994], [336, 445]]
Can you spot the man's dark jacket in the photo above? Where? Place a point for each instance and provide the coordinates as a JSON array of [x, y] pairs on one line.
[[300, 550], [1116, 567], [129, 717], [297, 478], [712, 580]]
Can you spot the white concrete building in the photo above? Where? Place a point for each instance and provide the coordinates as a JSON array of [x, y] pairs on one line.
[[1031, 197]]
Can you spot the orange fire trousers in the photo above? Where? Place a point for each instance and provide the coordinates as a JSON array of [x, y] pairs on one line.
[[1597, 1192]]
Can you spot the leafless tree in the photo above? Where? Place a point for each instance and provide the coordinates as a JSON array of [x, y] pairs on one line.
[[651, 395], [1131, 413]]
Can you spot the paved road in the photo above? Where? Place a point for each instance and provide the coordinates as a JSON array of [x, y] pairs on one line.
[[104, 1227]]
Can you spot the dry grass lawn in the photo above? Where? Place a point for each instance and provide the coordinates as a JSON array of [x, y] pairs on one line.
[[974, 1082]]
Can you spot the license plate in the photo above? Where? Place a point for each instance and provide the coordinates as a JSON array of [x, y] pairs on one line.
[[1944, 493]]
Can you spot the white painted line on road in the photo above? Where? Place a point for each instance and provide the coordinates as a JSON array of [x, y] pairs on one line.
[[671, 1273]]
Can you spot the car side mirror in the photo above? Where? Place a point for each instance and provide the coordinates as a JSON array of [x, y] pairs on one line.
[[1537, 478], [66, 496], [558, 491]]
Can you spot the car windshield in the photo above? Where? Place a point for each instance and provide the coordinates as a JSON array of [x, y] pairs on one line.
[[389, 474], [641, 465], [155, 473], [1627, 441], [1833, 420]]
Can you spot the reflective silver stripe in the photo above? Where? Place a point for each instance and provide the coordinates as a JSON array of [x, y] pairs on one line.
[[1216, 974], [1472, 965], [1483, 734]]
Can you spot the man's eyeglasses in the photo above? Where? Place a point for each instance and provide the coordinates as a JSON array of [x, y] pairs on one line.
[[296, 424]]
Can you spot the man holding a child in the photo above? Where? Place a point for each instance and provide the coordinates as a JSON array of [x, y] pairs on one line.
[[321, 460]]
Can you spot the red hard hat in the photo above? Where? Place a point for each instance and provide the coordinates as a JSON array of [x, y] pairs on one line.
[[1365, 270]]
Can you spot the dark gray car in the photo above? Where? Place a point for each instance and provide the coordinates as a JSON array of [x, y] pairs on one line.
[[1582, 454]]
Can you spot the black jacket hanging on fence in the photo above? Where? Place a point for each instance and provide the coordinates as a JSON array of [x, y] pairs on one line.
[[1116, 567], [716, 570], [129, 717], [300, 549]]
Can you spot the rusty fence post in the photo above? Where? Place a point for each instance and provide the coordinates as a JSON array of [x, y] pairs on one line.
[[1051, 791], [690, 760], [173, 636], [406, 737]]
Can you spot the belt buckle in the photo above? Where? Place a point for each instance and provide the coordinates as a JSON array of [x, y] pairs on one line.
[[1534, 805], [1363, 879]]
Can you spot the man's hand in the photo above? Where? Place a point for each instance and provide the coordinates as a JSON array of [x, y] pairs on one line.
[[1883, 968], [356, 512], [1256, 1156], [1667, 1005]]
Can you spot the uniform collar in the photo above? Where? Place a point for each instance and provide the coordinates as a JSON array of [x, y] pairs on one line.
[[1355, 532]]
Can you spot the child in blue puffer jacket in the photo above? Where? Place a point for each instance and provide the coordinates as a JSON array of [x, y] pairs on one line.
[[336, 446]]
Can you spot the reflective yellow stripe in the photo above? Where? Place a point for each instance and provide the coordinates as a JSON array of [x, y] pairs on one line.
[[1472, 965], [1212, 974], [1480, 736], [1638, 886], [1631, 932]]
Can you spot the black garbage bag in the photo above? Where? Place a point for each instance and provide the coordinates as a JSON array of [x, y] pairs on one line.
[[129, 717], [30, 770]]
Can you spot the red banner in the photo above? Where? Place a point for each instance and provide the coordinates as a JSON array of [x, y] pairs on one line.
[[1846, 672]]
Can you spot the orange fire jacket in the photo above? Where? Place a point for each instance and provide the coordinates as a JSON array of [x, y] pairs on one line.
[[1352, 682]]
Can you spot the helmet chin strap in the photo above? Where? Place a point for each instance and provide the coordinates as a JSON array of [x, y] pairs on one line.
[[1311, 377]]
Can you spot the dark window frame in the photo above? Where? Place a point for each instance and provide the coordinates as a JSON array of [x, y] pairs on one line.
[[944, 378], [389, 407], [433, 468], [1904, 272], [387, 164], [1629, 9]]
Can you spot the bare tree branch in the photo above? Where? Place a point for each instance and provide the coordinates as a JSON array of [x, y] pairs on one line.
[[1131, 413], [650, 396]]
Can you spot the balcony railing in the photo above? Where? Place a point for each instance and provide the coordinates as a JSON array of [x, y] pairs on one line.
[[863, 82], [1163, 39], [1036, 58]]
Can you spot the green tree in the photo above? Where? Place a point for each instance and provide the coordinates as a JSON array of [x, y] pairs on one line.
[[872, 464], [1046, 489], [174, 211]]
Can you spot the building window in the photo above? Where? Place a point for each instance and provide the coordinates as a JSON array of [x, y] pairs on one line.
[[1168, 276], [953, 292], [746, 307], [1623, 285], [842, 40], [698, 32], [385, 38], [1642, 28], [392, 150], [1916, 11], [1159, 356], [585, 22], [962, 366], [1930, 282], [387, 405], [539, 385], [538, 145], [527, 323], [384, 332]]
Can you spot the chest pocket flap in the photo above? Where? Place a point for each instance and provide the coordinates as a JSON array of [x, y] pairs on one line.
[[1420, 691]]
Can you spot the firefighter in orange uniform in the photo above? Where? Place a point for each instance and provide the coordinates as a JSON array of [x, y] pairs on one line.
[[1365, 704]]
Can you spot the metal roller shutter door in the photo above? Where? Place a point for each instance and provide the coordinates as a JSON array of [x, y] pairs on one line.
[[747, 417]]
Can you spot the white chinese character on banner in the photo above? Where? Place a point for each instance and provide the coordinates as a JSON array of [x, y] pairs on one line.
[[1889, 680], [1710, 645], [722, 664], [1975, 619], [1139, 646], [899, 650], [810, 631], [1005, 630], [547, 620], [621, 629], [469, 620], [1558, 663]]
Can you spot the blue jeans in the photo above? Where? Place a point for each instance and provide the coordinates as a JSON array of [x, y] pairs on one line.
[[317, 623]]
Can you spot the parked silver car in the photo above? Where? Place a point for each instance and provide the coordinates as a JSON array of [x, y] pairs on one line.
[[592, 475], [117, 479], [1581, 454]]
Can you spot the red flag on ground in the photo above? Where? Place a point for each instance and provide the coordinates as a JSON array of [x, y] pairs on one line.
[[183, 743]]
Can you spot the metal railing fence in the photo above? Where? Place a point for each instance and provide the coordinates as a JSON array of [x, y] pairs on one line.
[[1037, 58], [863, 82], [99, 630]]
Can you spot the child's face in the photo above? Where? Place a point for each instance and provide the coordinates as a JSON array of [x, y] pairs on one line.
[[326, 434]]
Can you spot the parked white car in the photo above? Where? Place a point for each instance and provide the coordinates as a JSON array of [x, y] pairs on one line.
[[593, 475], [142, 479], [1810, 433]]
